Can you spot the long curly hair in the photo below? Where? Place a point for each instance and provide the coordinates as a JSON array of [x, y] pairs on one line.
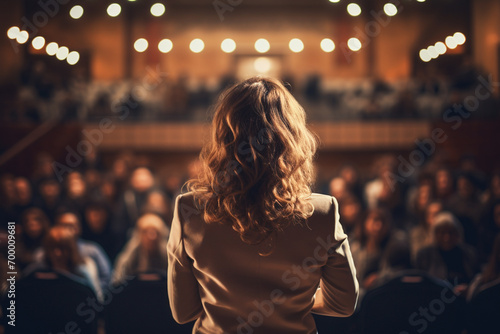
[[257, 168]]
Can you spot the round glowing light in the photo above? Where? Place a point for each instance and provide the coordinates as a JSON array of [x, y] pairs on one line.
[[459, 38], [22, 37], [141, 45], [196, 45], [354, 44], [390, 9], [451, 43], [262, 45], [353, 9], [334, 1], [52, 48], [62, 53], [327, 45], [262, 65], [73, 58], [114, 10], [38, 42], [420, 0], [76, 12], [296, 45], [228, 45], [440, 47], [424, 55], [13, 32], [165, 45], [158, 9], [433, 52]]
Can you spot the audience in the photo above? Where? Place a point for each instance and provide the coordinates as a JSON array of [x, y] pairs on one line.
[[443, 221]]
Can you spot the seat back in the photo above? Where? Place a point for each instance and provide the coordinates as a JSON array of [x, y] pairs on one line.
[[483, 311], [413, 303], [142, 307], [50, 302]]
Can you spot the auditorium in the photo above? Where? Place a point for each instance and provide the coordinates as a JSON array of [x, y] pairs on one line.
[[250, 166]]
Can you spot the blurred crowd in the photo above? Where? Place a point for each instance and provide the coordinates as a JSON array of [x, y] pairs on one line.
[[105, 223], [157, 97]]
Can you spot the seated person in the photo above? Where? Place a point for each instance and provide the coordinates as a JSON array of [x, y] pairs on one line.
[[145, 251], [61, 254], [448, 257]]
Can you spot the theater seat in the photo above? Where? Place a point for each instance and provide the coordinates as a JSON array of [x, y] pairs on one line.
[[412, 303], [142, 307], [483, 312], [47, 302]]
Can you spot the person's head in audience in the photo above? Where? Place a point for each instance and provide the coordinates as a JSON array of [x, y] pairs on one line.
[[34, 224], [492, 270], [7, 190], [96, 217], [75, 185], [69, 220], [142, 180], [444, 183], [466, 188], [423, 198], [351, 213], [431, 211], [376, 228], [338, 188], [60, 249], [24, 194], [350, 175], [156, 203], [43, 165], [447, 231], [120, 169], [153, 233], [50, 190]]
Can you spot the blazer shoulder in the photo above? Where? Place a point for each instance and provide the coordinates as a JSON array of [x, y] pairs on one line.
[[324, 204]]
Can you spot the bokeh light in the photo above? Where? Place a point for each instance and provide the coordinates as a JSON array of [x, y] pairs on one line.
[[73, 58], [38, 42], [141, 45], [296, 45], [196, 45], [228, 45], [262, 65], [13, 32], [353, 9], [62, 53], [52, 48], [22, 37], [158, 9], [262, 45], [354, 44], [76, 12], [114, 10], [390, 9], [165, 45], [327, 45]]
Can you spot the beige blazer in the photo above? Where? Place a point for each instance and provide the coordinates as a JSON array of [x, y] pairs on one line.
[[227, 287]]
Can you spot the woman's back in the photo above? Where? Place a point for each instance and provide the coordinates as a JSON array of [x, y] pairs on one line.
[[231, 288]]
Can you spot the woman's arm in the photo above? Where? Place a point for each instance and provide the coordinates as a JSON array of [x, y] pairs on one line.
[[338, 290], [183, 293]]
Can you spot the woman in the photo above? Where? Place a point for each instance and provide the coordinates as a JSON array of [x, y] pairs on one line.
[[35, 225], [145, 251], [369, 249], [250, 244], [61, 254]]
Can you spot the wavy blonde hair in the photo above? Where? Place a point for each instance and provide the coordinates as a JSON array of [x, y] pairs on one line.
[[257, 168]]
